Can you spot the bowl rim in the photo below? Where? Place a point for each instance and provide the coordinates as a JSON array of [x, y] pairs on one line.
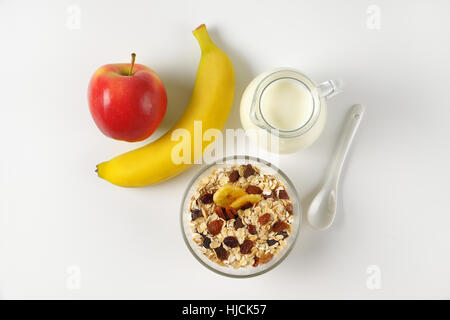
[[298, 204]]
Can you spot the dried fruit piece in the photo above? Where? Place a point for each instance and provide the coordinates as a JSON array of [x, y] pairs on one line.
[[264, 219], [255, 264], [221, 253], [231, 242], [266, 258], [252, 229], [271, 242], [248, 171], [214, 227], [206, 198], [230, 212], [279, 226], [245, 199], [226, 194], [207, 242], [234, 176], [290, 208], [195, 214], [282, 194], [283, 233], [246, 246], [253, 190], [238, 223], [219, 211]]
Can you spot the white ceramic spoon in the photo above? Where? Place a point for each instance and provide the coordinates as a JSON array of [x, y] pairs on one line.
[[322, 210]]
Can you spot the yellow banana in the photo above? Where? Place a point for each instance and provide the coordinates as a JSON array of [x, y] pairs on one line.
[[210, 103]]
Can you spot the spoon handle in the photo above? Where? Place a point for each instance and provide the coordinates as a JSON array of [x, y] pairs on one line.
[[353, 120]]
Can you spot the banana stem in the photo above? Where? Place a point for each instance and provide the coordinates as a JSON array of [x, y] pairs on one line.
[[202, 36]]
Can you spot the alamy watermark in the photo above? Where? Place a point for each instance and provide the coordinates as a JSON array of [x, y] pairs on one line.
[[73, 21], [373, 281], [212, 145], [73, 277], [373, 20]]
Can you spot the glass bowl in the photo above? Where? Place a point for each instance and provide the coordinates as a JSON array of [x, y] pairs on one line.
[[185, 216]]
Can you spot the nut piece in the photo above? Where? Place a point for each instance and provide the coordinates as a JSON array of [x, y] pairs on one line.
[[214, 227]]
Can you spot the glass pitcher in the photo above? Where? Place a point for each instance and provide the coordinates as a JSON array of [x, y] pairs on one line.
[[271, 103]]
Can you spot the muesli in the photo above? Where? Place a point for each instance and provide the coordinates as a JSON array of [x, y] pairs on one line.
[[240, 217]]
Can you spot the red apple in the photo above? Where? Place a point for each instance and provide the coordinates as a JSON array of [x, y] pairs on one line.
[[127, 101]]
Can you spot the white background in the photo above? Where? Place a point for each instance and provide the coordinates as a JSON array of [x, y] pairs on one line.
[[59, 220]]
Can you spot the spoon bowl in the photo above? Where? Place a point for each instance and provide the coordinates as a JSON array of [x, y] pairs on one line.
[[322, 209]]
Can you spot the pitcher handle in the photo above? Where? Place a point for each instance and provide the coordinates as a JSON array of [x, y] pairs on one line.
[[330, 88]]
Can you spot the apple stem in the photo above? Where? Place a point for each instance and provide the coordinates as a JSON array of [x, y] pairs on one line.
[[133, 57]]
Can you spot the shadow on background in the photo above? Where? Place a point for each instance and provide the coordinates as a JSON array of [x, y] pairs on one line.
[[242, 72]]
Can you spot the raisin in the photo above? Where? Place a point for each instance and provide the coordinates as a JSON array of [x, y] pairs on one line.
[[231, 242], [264, 219], [234, 176], [219, 211], [265, 258], [248, 171], [290, 208], [221, 253], [282, 194], [230, 212], [207, 242], [283, 233], [252, 229], [279, 226], [214, 227], [246, 246], [206, 198], [255, 264], [238, 223], [195, 214], [271, 242], [253, 190]]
